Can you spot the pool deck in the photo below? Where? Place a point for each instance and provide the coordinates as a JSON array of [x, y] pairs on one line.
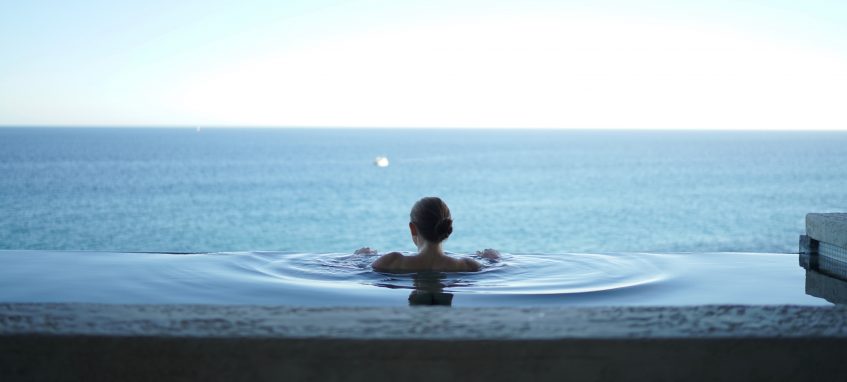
[[227, 342]]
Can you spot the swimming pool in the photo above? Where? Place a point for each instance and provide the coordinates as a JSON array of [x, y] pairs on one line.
[[345, 279]]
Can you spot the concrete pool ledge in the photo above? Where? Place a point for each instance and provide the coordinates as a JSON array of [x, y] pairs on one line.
[[226, 342], [824, 246], [827, 227]]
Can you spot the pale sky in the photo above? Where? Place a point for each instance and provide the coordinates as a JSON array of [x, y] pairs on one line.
[[569, 64]]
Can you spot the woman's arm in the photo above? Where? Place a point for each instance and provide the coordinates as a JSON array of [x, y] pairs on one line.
[[471, 265]]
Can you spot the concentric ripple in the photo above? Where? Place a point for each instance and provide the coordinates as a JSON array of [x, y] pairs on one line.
[[514, 274]]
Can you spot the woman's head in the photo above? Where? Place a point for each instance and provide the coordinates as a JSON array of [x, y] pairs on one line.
[[431, 217]]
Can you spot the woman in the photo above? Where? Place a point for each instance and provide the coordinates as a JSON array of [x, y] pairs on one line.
[[430, 224]]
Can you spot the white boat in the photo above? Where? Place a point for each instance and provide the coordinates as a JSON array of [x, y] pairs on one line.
[[381, 161]]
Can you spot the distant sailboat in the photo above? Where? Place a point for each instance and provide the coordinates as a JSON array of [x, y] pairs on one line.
[[381, 161]]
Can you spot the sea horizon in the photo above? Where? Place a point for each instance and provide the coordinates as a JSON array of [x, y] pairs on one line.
[[317, 190]]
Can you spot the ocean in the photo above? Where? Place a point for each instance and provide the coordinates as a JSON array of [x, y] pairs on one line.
[[318, 190]]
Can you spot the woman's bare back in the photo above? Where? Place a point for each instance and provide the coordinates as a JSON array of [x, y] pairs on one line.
[[396, 262]]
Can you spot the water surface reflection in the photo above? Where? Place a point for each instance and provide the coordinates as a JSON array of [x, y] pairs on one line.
[[429, 290]]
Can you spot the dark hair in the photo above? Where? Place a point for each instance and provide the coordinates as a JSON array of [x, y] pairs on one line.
[[432, 218]]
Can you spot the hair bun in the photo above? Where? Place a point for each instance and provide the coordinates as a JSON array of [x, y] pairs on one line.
[[432, 218], [444, 228]]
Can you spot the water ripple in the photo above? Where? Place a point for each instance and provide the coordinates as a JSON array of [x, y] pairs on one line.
[[514, 274]]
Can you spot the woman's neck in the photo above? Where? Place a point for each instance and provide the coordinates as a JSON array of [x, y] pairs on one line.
[[428, 249]]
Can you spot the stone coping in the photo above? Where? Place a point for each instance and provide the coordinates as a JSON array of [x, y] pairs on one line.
[[828, 227], [85, 342], [426, 323]]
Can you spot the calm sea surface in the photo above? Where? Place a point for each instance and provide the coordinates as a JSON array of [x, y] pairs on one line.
[[317, 190]]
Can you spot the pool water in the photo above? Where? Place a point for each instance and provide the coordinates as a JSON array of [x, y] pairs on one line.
[[345, 279]]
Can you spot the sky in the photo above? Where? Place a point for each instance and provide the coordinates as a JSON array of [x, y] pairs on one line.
[[545, 64]]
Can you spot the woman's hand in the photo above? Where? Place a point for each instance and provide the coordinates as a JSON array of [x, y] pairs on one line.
[[488, 253], [365, 251]]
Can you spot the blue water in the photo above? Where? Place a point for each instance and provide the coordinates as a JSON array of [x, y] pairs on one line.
[[317, 190], [339, 279]]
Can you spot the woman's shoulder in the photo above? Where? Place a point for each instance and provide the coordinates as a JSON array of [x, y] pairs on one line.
[[461, 264], [388, 261]]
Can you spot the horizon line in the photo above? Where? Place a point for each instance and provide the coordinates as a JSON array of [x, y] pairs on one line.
[[360, 127]]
